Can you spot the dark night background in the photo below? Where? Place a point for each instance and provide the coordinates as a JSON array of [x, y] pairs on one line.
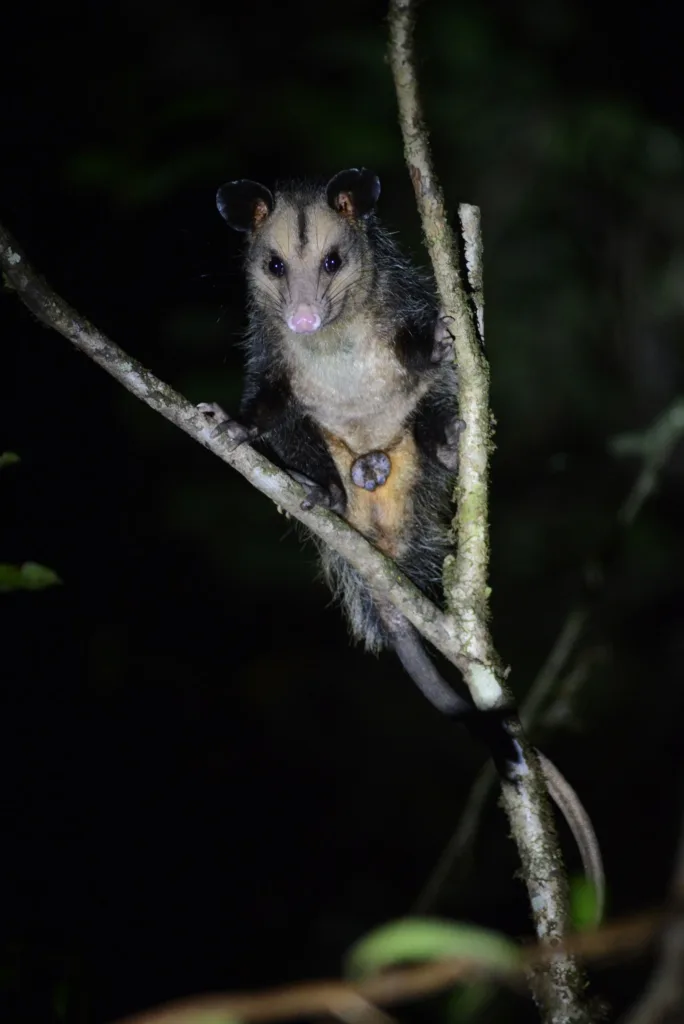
[[204, 786]]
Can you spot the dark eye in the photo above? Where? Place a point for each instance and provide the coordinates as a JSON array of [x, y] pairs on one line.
[[332, 262], [276, 266]]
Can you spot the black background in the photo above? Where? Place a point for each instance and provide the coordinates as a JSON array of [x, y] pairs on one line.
[[204, 786]]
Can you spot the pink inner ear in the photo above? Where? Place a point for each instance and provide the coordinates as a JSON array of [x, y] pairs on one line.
[[344, 204], [260, 212]]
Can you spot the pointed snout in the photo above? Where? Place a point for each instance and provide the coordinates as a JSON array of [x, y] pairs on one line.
[[305, 319]]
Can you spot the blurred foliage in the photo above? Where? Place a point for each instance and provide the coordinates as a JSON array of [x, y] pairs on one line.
[[583, 908], [30, 575], [416, 939]]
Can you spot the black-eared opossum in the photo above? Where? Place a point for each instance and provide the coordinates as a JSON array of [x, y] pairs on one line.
[[351, 387]]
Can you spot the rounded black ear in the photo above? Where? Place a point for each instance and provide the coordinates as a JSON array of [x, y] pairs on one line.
[[354, 193], [244, 204]]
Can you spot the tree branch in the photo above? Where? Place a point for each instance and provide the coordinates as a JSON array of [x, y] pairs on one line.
[[345, 1000], [654, 446], [462, 636], [463, 837], [379, 571], [465, 579], [559, 989]]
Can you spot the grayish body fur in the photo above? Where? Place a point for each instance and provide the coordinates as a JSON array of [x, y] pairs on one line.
[[351, 387], [369, 378]]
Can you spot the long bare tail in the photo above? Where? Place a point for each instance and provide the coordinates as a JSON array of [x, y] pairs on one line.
[[408, 646], [579, 822]]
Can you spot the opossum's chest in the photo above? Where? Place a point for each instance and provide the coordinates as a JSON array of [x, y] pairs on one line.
[[360, 394]]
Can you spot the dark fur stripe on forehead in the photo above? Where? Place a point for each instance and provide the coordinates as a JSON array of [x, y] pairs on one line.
[[313, 227], [301, 229]]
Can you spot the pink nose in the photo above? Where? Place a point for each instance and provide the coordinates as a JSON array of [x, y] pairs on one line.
[[304, 320]]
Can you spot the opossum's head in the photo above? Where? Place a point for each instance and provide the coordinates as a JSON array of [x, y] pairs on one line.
[[309, 259]]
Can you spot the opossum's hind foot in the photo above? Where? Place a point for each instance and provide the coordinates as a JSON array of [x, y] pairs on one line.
[[371, 470], [447, 453], [317, 495], [443, 338], [238, 433]]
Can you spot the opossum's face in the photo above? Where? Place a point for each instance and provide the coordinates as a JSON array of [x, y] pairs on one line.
[[309, 261], [309, 266]]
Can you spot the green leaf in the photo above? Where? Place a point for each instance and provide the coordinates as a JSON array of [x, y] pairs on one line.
[[8, 459], [29, 576], [583, 904], [416, 938]]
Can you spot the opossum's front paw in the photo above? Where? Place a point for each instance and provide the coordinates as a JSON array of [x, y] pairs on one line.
[[447, 453], [371, 470], [443, 347], [238, 433], [317, 495]]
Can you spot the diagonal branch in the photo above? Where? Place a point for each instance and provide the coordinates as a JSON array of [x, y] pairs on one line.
[[347, 1000], [379, 571]]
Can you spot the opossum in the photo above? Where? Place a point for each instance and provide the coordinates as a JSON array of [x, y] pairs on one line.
[[351, 387]]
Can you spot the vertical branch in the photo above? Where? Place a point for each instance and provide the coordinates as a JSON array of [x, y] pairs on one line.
[[558, 989], [465, 577], [654, 445], [471, 232]]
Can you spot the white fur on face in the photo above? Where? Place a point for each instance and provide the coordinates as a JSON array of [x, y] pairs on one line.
[[307, 298]]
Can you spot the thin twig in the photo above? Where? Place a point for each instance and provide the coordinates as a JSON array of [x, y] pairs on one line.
[[461, 842], [663, 999], [460, 845], [655, 446]]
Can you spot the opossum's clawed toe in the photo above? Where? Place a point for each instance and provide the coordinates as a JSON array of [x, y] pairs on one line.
[[447, 452], [212, 410], [448, 457], [238, 433], [443, 338], [453, 430], [318, 496], [371, 470]]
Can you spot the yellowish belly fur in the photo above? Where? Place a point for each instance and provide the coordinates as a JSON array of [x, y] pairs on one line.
[[381, 515]]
